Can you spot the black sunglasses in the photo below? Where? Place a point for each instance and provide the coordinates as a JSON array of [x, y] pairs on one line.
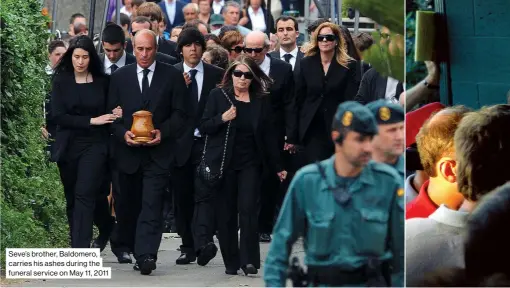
[[239, 74], [237, 49], [327, 37], [249, 50]]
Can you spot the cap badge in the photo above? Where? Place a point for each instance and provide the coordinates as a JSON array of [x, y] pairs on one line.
[[347, 119], [384, 113]]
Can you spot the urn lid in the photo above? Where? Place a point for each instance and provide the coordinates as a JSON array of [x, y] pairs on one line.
[[142, 113]]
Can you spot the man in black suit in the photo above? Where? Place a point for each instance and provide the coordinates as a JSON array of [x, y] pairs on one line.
[[194, 206], [155, 15], [141, 22], [144, 168], [281, 93], [287, 31], [374, 87]]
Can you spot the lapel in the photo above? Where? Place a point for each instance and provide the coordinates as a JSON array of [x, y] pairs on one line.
[[130, 59], [155, 85], [380, 87], [300, 56], [133, 80], [256, 109], [271, 68], [335, 74]]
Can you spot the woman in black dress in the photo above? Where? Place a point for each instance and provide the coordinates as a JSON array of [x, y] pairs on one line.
[[81, 147], [241, 109]]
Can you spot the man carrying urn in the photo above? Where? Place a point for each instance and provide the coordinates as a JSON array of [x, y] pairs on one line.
[[143, 89]]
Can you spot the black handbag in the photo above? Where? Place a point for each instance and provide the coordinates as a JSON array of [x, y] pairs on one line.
[[204, 173]]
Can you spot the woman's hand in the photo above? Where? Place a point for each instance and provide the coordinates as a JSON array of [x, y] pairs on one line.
[[282, 175], [103, 119], [229, 115], [117, 112]]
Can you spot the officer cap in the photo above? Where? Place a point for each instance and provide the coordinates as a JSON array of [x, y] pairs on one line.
[[356, 117], [386, 112]]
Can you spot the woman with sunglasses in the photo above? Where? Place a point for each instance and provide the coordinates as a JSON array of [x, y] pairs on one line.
[[327, 78], [241, 108], [79, 109], [233, 41]]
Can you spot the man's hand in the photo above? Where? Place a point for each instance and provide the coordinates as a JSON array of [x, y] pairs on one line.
[[45, 133], [187, 79], [290, 147], [128, 137], [433, 73], [282, 175], [117, 112], [157, 138]]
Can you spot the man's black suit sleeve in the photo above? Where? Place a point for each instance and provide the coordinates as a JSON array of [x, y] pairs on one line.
[[117, 128], [352, 85], [271, 138], [59, 111], [173, 126], [290, 106], [364, 89]]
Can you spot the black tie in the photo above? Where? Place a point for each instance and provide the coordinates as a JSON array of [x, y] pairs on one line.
[[194, 85], [145, 85], [287, 57], [113, 68]]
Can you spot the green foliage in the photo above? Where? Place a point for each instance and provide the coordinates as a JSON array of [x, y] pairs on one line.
[[389, 13], [32, 200]]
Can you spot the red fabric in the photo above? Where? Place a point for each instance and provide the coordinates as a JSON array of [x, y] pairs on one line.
[[416, 118], [421, 206]]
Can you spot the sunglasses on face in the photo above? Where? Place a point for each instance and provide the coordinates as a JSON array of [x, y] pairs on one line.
[[237, 49], [327, 37], [250, 50], [239, 74]]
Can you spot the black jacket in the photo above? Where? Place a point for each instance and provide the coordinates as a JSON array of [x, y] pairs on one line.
[[215, 128], [212, 77], [300, 55], [373, 87], [166, 103]]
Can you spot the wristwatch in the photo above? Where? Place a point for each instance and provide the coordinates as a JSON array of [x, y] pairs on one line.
[[431, 86]]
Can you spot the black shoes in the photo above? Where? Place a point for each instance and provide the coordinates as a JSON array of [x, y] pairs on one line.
[[123, 257], [265, 237], [185, 258], [249, 269], [231, 272], [99, 243], [207, 253], [146, 266]]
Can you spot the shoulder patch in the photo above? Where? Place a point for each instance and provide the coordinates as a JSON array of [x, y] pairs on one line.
[[400, 192]]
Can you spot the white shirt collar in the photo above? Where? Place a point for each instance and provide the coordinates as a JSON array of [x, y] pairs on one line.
[[49, 70], [450, 217], [151, 68], [120, 63], [250, 10], [199, 67], [266, 65], [293, 52]]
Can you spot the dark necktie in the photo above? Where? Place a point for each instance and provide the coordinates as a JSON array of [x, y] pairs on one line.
[[145, 85], [194, 85], [287, 57], [113, 68]]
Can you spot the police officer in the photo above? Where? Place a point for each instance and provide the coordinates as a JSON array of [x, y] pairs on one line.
[[349, 211], [388, 144]]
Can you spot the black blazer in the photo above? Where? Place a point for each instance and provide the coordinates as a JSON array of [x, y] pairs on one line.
[[271, 27], [164, 46], [69, 114], [315, 91], [179, 16], [167, 105], [212, 77], [373, 87], [215, 128], [282, 99], [300, 55]]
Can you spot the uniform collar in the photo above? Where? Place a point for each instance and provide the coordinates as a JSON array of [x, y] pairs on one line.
[[365, 177], [400, 165]]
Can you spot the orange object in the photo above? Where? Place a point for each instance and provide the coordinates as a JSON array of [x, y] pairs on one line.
[[45, 12], [142, 126]]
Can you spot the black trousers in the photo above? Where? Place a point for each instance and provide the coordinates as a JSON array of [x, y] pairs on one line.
[[103, 218], [317, 141], [183, 179], [240, 194], [139, 209], [271, 189], [82, 177]]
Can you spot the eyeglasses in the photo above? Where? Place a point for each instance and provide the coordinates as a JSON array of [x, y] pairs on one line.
[[327, 37], [250, 50], [237, 49], [239, 74]]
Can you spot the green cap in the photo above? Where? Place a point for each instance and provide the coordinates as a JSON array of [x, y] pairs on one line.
[[386, 112], [216, 19], [356, 117]]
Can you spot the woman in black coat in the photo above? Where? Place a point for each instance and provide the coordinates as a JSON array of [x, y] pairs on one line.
[[241, 109], [79, 109]]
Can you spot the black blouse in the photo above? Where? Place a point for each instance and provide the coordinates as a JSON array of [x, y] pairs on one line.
[[245, 153]]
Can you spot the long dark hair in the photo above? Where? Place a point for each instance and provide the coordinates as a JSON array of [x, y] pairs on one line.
[[260, 84], [65, 65], [349, 43]]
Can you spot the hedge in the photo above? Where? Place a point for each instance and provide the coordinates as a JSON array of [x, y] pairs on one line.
[[32, 198]]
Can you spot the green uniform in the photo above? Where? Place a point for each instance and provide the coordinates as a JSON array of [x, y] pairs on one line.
[[400, 166], [338, 235]]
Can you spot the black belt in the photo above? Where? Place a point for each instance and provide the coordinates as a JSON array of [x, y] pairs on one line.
[[334, 276]]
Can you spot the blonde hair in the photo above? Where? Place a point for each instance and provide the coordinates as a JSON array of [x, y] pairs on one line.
[[341, 51]]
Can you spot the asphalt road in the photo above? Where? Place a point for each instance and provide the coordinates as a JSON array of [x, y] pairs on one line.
[[166, 274]]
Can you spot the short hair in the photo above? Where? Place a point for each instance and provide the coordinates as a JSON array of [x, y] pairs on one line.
[[219, 56], [213, 37], [113, 34], [230, 4], [192, 5], [55, 44], [435, 138], [141, 20], [482, 147], [124, 20], [74, 16], [150, 10], [195, 23], [362, 41], [146, 31], [226, 29], [315, 24], [287, 18], [267, 42], [230, 39], [137, 3]]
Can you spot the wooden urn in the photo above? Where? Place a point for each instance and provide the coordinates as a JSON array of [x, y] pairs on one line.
[[142, 126]]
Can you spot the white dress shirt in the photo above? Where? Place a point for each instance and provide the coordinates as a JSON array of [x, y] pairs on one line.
[[391, 90], [258, 19], [216, 6], [124, 11], [139, 74], [120, 63], [292, 60], [199, 77], [170, 10], [266, 65]]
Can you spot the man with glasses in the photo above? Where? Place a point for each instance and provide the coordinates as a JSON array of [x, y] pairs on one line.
[[282, 98]]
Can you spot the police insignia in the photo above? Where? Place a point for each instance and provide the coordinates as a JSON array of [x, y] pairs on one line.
[[347, 119], [384, 113], [400, 192]]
